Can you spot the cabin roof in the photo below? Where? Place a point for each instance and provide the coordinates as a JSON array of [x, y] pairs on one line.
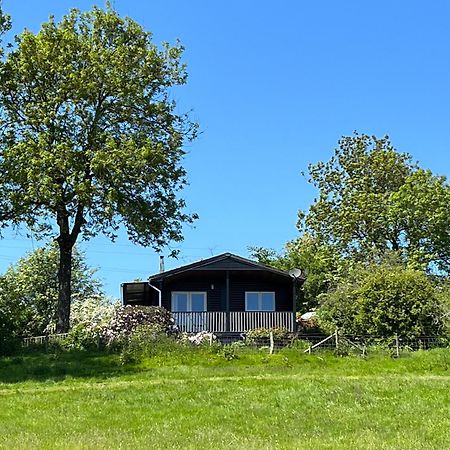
[[225, 261]]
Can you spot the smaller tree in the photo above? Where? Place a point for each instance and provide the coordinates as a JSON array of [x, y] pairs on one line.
[[29, 290], [383, 300], [320, 263]]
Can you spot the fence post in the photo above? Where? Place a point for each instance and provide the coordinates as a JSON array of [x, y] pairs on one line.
[[271, 342], [397, 349], [210, 339], [336, 338]]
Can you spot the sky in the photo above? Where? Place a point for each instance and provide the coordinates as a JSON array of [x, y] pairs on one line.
[[274, 85]]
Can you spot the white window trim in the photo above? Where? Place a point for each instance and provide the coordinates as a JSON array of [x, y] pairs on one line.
[[259, 300], [189, 299]]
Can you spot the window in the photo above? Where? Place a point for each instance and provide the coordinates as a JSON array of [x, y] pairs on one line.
[[260, 301], [188, 301]]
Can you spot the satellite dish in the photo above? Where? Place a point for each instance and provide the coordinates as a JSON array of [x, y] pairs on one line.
[[295, 273]]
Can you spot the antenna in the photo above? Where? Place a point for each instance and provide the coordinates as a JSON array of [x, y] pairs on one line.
[[295, 273]]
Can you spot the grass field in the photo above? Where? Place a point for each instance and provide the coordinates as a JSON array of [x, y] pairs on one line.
[[202, 401]]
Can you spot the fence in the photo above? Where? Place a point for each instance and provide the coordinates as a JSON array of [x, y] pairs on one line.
[[306, 343], [342, 343], [41, 340]]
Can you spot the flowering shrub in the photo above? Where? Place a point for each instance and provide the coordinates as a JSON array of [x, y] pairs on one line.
[[92, 312], [203, 337], [128, 318], [88, 318]]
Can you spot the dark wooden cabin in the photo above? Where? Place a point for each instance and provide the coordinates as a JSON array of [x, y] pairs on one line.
[[225, 293]]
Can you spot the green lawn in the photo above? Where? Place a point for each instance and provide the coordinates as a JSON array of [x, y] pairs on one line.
[[287, 400]]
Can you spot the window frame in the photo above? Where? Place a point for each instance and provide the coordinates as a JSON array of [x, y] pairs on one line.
[[189, 300], [260, 294]]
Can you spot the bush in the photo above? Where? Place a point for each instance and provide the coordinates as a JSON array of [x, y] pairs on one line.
[[262, 335], [82, 337], [128, 318], [383, 300]]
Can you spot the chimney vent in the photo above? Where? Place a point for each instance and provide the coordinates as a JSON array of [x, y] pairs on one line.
[[161, 263]]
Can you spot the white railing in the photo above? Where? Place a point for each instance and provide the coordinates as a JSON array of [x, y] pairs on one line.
[[39, 340], [239, 321], [193, 322]]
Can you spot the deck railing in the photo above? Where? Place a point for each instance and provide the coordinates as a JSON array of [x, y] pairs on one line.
[[241, 321], [193, 322], [237, 321]]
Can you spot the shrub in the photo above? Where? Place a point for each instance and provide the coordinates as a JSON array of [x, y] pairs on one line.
[[259, 335], [82, 337], [128, 318], [92, 312], [383, 300]]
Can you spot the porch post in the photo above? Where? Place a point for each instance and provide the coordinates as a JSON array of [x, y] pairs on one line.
[[227, 300], [294, 304]]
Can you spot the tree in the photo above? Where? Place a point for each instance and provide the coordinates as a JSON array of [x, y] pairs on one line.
[[320, 263], [29, 290], [373, 199], [91, 138]]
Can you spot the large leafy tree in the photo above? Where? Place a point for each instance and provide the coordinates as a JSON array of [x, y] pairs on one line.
[[90, 136], [372, 199]]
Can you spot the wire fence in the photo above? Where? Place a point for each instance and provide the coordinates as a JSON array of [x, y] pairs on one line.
[[341, 343], [337, 342]]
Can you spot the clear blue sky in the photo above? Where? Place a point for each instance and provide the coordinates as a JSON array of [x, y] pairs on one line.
[[274, 85]]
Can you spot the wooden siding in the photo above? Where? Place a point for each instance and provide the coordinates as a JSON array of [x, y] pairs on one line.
[[215, 298], [227, 264], [240, 285]]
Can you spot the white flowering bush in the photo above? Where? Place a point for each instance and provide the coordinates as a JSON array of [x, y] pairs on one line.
[[92, 312], [203, 337], [127, 319], [88, 318]]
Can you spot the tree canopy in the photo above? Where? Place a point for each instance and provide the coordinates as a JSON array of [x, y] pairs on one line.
[[91, 137], [371, 199]]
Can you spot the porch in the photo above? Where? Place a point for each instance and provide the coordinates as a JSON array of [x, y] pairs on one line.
[[233, 321]]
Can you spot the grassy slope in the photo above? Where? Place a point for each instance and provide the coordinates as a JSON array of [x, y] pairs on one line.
[[283, 401]]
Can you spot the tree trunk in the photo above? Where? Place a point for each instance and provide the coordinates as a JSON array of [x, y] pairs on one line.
[[64, 285]]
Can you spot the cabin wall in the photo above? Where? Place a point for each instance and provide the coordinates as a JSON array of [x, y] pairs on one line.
[[283, 293], [214, 284]]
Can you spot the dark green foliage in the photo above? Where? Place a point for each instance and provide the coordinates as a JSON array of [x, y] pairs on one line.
[[147, 341], [383, 300]]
